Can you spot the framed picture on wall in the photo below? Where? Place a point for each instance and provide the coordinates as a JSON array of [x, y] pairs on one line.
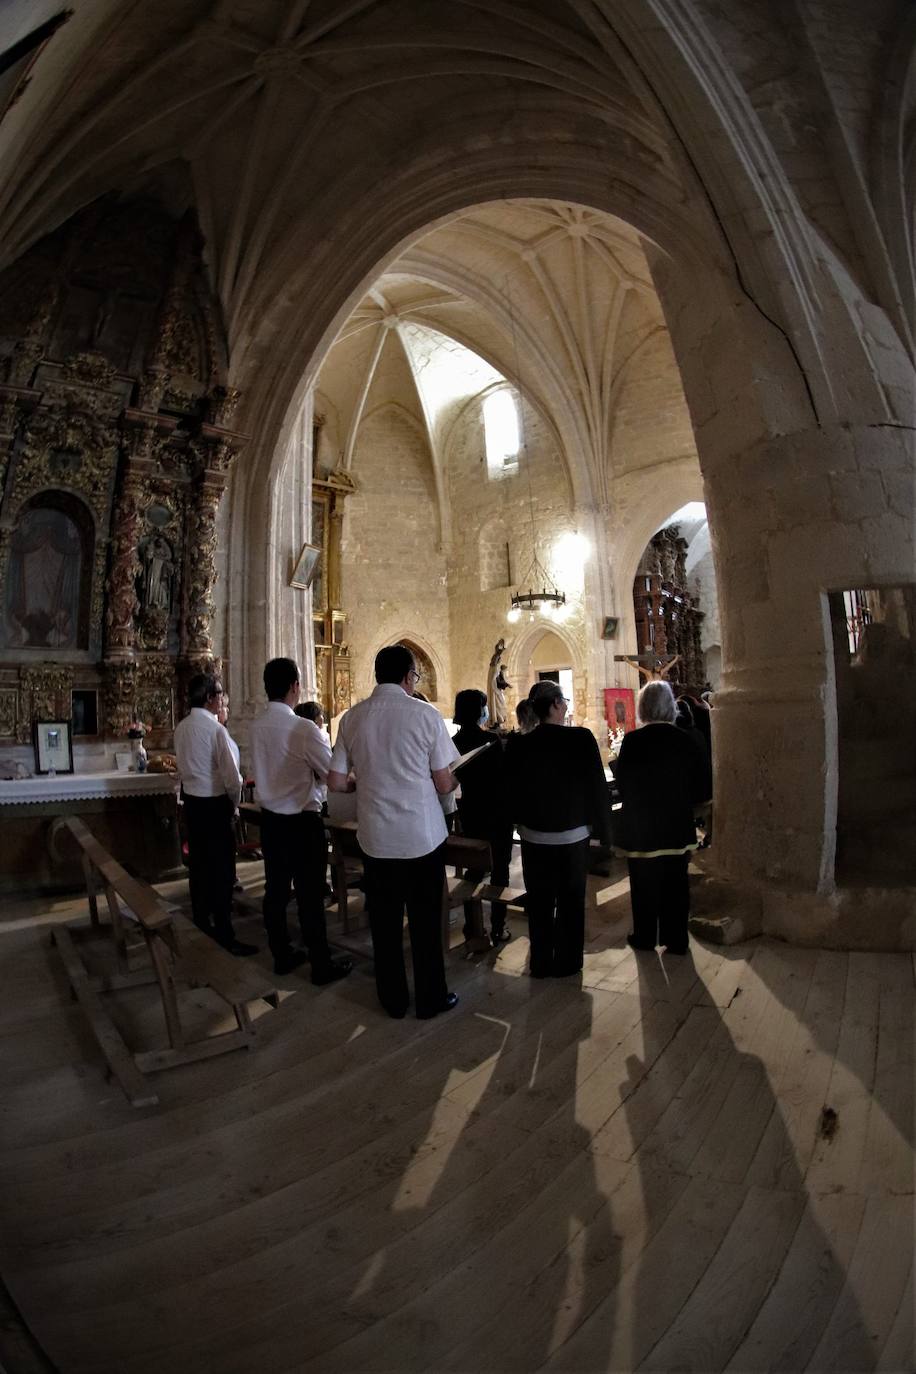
[[306, 566], [620, 709], [53, 743]]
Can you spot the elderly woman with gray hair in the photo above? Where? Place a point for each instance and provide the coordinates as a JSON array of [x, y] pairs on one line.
[[662, 774]]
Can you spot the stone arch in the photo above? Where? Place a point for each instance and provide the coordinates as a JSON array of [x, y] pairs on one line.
[[521, 648], [428, 660], [753, 414]]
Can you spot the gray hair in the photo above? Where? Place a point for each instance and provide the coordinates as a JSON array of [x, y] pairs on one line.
[[656, 703]]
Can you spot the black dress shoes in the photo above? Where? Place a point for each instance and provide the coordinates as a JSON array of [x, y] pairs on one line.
[[635, 944], [285, 963], [332, 972], [451, 1000], [240, 949]]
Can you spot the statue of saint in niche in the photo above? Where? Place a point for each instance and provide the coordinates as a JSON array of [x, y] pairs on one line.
[[155, 590], [497, 682], [43, 583]]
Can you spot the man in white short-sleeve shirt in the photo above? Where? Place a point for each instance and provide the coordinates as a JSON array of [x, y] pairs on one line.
[[400, 752], [210, 784], [289, 760]]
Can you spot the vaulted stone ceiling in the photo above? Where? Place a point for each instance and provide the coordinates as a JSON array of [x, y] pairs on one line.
[[556, 298], [266, 102]]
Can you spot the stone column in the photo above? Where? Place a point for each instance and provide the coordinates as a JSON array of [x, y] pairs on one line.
[[792, 518]]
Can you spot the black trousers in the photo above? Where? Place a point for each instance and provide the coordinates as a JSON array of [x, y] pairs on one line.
[[500, 842], [295, 859], [211, 863], [555, 876], [392, 884], [660, 899]]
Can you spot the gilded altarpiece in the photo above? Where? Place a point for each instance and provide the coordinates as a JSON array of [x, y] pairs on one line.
[[116, 442], [333, 670]]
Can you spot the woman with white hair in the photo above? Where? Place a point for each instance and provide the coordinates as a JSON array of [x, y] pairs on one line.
[[662, 774]]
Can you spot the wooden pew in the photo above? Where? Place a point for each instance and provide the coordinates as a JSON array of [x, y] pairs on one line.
[[460, 851], [178, 952]]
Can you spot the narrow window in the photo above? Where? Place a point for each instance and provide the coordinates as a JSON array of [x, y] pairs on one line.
[[500, 418]]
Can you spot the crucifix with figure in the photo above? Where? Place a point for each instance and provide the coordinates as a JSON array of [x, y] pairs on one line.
[[653, 667]]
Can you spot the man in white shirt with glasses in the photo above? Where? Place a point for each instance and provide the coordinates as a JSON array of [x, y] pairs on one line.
[[290, 759], [400, 752]]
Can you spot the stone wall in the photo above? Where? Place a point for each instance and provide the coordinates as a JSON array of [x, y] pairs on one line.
[[496, 514], [394, 575]]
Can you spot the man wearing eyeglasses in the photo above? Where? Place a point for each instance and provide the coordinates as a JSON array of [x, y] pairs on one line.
[[400, 752], [289, 758], [211, 786]]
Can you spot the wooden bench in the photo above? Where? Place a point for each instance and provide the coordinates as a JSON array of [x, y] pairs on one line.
[[178, 952], [460, 851]]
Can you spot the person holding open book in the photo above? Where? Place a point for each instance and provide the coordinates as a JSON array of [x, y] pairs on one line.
[[399, 754], [483, 804]]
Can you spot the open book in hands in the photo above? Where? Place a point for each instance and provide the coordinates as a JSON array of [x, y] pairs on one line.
[[471, 754]]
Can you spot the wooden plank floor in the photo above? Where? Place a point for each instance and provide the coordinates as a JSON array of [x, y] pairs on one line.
[[634, 1172]]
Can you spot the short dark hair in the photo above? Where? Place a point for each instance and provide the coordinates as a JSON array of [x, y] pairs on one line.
[[280, 674], [201, 688], [469, 706], [526, 716], [542, 696], [310, 710], [393, 663]]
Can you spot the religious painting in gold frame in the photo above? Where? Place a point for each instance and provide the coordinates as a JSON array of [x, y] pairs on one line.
[[307, 565], [320, 535]]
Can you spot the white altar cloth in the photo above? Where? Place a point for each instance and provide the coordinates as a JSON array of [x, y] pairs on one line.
[[79, 786]]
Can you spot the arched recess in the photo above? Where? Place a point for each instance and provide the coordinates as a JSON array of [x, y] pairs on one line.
[[650, 505], [746, 392], [520, 649], [419, 200], [48, 574], [428, 660]]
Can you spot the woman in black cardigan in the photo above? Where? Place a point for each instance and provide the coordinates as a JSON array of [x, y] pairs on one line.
[[662, 773], [482, 805], [559, 797]]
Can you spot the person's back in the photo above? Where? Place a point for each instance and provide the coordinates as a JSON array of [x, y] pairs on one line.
[[395, 753], [290, 758], [662, 774], [389, 739], [557, 781]]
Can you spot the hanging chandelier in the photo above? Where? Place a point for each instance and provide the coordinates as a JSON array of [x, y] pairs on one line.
[[547, 601]]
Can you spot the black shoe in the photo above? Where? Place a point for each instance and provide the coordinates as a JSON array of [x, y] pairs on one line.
[[285, 963], [240, 949], [451, 1000], [501, 937], [636, 944], [332, 972], [396, 1015]]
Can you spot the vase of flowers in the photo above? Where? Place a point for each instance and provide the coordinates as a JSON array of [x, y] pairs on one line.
[[135, 733]]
